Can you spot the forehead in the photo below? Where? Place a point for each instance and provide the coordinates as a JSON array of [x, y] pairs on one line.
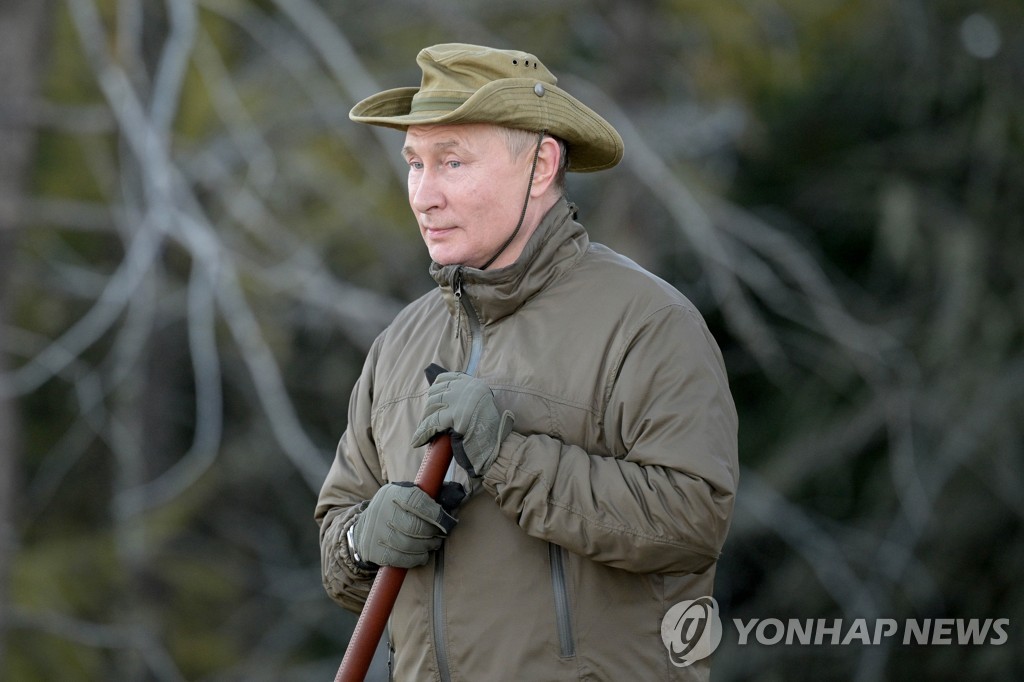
[[468, 136]]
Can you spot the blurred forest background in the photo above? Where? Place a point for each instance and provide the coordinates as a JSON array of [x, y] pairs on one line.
[[197, 247]]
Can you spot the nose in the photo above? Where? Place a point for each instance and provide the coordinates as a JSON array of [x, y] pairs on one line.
[[424, 192]]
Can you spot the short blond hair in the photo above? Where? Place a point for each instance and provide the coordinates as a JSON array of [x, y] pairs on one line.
[[520, 142]]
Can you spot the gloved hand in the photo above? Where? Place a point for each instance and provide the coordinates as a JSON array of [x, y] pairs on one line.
[[465, 405], [400, 526]]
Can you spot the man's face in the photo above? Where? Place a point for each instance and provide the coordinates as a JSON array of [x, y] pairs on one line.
[[466, 191]]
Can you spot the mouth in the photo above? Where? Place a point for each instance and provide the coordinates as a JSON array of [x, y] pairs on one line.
[[434, 230]]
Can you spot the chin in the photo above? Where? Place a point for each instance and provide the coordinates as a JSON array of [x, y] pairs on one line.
[[443, 260], [444, 257]]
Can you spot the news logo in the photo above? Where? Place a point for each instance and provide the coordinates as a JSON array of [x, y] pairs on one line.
[[691, 630]]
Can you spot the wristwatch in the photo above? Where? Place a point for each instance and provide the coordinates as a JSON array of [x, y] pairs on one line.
[[351, 541], [350, 537]]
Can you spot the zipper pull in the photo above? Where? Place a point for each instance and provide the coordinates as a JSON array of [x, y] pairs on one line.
[[457, 284], [457, 292]]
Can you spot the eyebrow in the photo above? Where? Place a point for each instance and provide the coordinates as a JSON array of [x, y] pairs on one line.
[[437, 147]]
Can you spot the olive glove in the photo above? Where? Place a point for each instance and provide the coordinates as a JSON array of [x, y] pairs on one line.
[[465, 406], [399, 526]]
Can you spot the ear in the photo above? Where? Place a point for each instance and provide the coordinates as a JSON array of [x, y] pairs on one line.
[[547, 167]]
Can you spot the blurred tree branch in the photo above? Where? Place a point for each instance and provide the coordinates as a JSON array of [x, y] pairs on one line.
[[22, 24], [202, 248]]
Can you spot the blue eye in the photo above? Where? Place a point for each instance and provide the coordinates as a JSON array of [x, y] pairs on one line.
[[454, 164]]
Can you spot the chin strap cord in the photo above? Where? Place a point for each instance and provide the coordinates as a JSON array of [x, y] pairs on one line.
[[526, 202]]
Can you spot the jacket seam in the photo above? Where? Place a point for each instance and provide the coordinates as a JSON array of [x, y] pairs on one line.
[[590, 408], [626, 530], [383, 405]]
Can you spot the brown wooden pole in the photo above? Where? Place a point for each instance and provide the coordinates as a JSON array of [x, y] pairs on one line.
[[384, 591]]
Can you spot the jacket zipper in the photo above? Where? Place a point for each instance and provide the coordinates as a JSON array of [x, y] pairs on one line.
[[476, 348], [563, 616], [440, 649], [476, 338]]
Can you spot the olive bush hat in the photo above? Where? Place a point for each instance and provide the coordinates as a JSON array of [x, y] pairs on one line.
[[474, 84]]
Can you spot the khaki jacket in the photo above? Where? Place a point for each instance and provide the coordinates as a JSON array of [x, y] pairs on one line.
[[609, 502]]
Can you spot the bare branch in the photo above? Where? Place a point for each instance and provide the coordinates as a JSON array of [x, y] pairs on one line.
[[158, 659]]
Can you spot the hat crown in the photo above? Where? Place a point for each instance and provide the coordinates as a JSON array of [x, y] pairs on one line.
[[464, 84], [456, 69]]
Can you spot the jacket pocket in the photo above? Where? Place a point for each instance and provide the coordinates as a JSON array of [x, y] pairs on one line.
[[563, 612]]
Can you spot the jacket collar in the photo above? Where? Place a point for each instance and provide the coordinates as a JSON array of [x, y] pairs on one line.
[[554, 248]]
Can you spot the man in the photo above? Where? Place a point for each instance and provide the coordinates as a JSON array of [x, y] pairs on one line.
[[588, 404]]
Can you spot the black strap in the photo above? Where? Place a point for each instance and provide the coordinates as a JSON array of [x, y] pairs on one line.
[[526, 202]]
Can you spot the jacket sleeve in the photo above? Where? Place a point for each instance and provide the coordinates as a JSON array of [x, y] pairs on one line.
[[666, 504], [354, 477]]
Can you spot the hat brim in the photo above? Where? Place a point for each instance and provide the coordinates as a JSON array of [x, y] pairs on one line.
[[511, 102]]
